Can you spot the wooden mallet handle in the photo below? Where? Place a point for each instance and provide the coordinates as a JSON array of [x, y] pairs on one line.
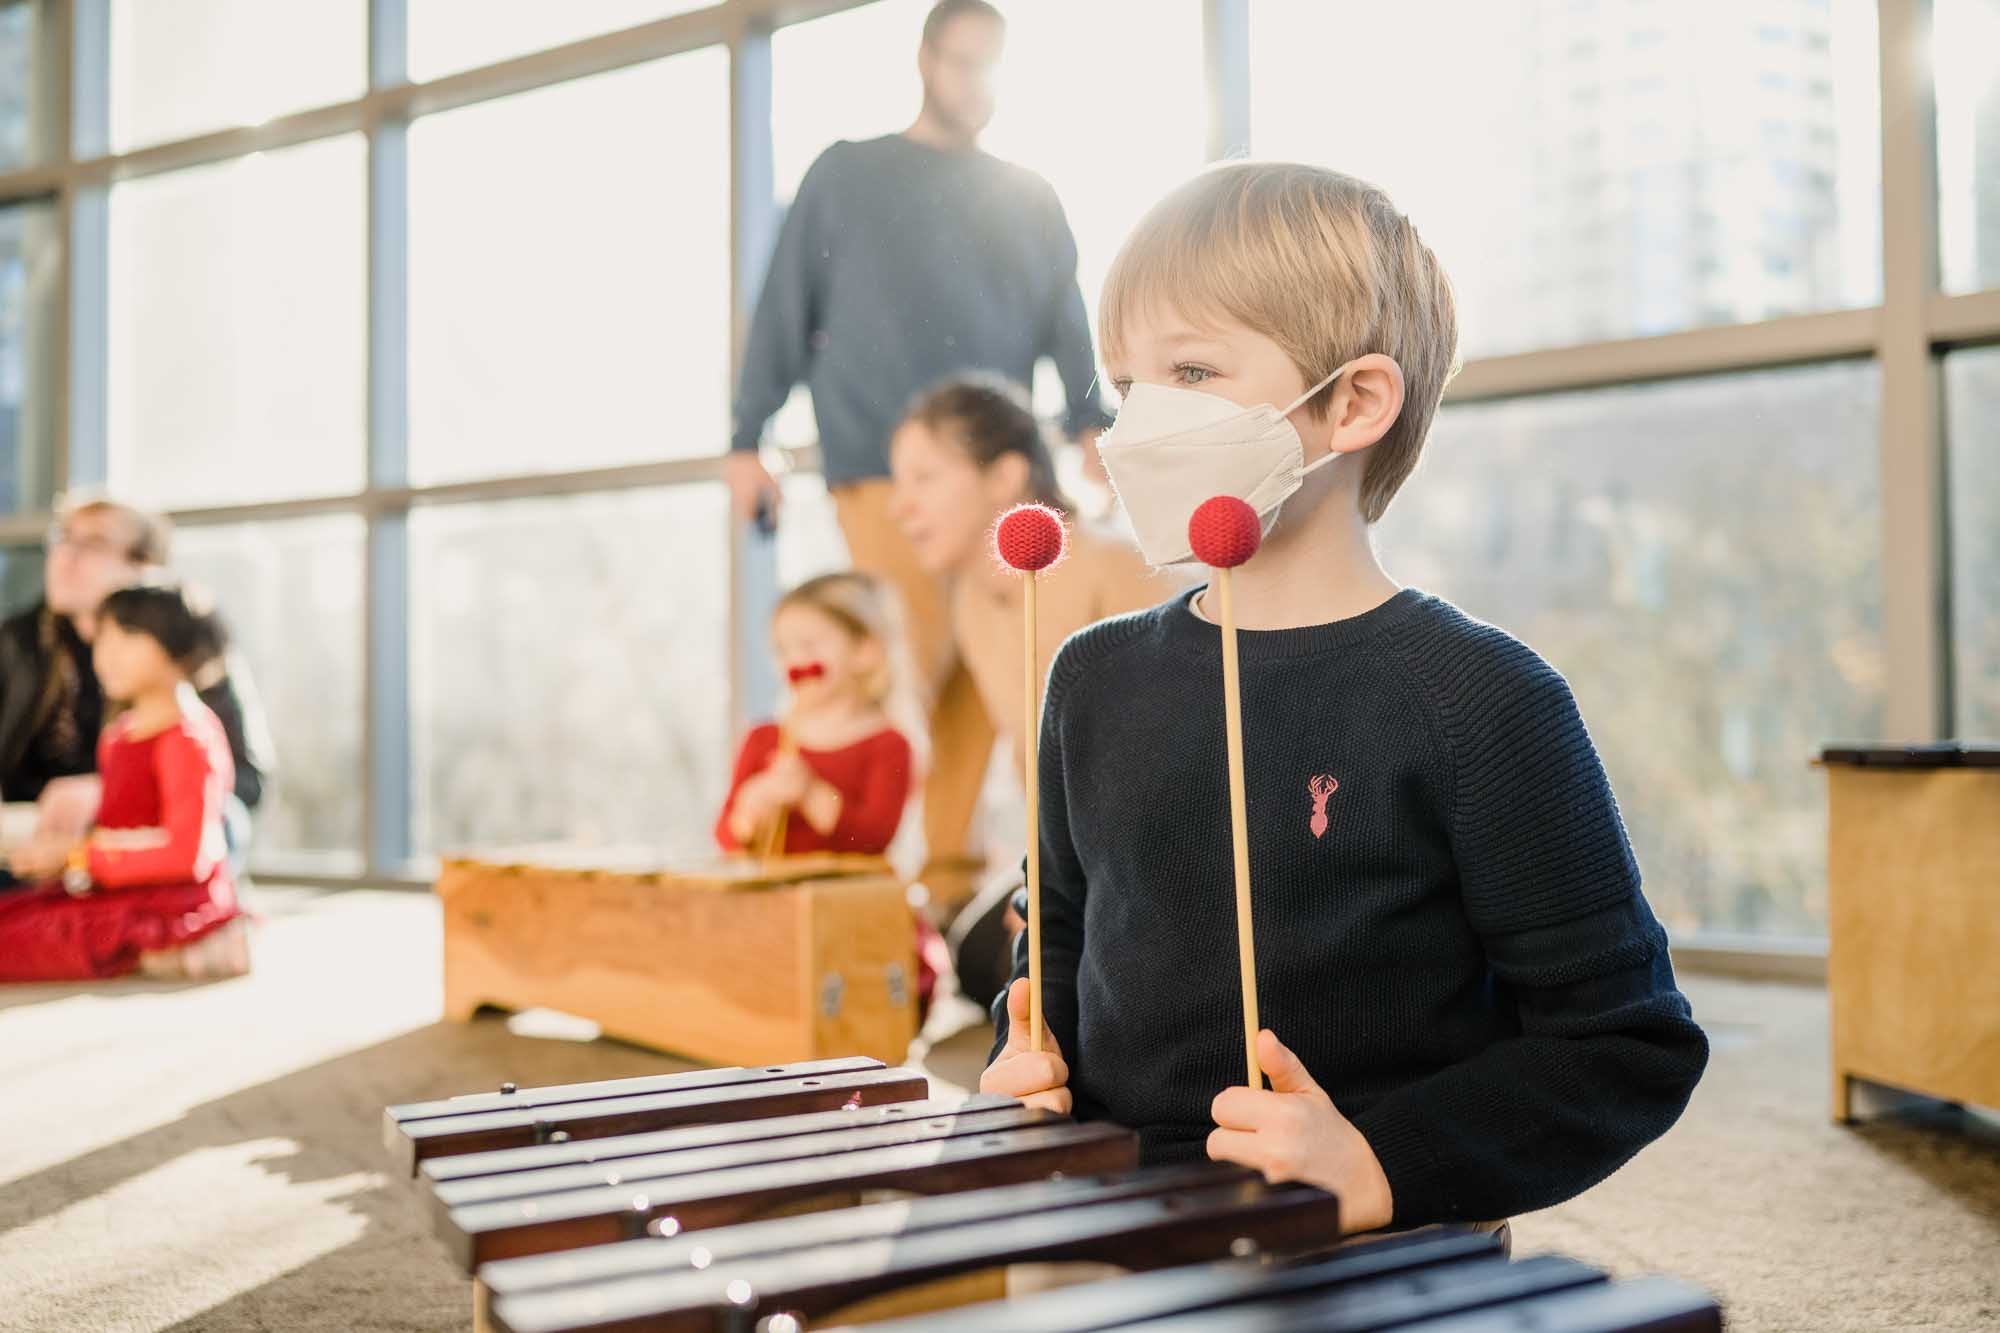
[[773, 842], [1224, 533], [1031, 778], [1031, 538]]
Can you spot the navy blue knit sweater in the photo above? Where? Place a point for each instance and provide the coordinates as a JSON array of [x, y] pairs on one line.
[[1449, 927]]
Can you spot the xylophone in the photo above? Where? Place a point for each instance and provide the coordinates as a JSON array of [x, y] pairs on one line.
[[741, 1199]]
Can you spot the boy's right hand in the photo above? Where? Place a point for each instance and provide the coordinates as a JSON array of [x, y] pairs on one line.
[[1037, 1079]]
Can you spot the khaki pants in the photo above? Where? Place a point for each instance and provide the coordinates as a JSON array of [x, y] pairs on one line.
[[961, 734]]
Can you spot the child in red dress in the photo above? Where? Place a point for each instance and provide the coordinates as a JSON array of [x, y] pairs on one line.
[[149, 890], [835, 775]]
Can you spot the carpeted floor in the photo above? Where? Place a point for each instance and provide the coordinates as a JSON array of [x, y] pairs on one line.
[[208, 1157]]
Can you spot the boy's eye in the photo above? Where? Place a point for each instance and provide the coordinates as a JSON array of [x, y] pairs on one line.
[[1193, 374], [1123, 386]]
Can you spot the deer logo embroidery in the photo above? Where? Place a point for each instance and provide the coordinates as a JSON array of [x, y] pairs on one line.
[[1321, 787]]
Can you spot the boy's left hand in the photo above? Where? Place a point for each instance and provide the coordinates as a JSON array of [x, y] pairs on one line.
[[1294, 1132]]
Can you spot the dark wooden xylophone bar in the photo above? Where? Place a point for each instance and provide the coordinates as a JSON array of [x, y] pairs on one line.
[[553, 1093], [1179, 1226], [1641, 1305], [1442, 1282], [440, 1171], [892, 1220], [716, 1148], [1390, 1301], [1174, 1291], [418, 1140], [480, 1233]]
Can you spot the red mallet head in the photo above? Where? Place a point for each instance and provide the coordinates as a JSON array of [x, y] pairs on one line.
[[1224, 532], [1030, 538]]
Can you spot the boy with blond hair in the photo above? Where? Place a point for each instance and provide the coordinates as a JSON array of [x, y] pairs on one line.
[[1477, 1010]]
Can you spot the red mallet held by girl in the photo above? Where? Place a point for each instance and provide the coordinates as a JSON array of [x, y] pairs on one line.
[[1031, 539], [1224, 533]]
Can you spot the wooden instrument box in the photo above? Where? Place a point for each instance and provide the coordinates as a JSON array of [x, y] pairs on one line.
[[736, 963], [1913, 920]]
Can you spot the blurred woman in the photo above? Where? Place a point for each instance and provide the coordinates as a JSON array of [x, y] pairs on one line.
[[967, 452]]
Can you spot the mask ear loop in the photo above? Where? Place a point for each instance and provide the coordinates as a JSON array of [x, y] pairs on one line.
[[1301, 400]]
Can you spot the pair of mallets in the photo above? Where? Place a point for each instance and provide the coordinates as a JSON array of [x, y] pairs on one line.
[[1223, 533]]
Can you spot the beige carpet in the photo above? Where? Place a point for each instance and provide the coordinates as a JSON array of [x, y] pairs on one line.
[[208, 1157]]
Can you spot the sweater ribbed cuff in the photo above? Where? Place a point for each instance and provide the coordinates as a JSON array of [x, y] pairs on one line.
[[1417, 1184]]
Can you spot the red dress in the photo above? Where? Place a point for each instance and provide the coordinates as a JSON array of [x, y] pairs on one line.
[[157, 858], [873, 779]]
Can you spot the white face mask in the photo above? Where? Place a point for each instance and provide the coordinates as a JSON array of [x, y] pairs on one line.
[[1173, 448]]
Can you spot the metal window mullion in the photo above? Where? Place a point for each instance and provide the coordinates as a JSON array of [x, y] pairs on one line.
[[82, 448], [1915, 564], [1959, 321], [1226, 58], [753, 215], [387, 783], [53, 56], [1833, 335]]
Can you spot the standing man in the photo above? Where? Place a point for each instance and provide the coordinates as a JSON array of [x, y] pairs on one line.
[[904, 260]]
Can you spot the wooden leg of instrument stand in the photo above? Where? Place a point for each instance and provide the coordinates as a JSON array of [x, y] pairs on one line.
[[1026, 1279], [947, 1293], [1843, 1098], [481, 1301]]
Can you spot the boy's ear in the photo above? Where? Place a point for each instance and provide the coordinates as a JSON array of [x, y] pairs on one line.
[[1365, 403]]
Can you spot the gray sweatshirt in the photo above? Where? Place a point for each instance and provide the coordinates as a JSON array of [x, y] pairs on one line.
[[899, 265]]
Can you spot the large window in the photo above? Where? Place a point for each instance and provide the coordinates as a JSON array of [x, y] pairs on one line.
[[1597, 170], [1702, 561], [569, 273], [30, 261], [238, 353], [21, 131], [1972, 389], [291, 596], [570, 674], [1966, 36], [182, 67]]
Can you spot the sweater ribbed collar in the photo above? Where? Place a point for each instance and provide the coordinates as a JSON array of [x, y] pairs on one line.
[[1189, 633]]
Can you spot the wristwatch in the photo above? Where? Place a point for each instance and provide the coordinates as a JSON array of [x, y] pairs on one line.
[[76, 880]]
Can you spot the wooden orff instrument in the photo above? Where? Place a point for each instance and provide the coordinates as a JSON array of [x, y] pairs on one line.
[[734, 962], [746, 1199]]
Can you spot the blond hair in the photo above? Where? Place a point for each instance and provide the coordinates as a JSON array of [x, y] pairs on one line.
[[1323, 264]]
